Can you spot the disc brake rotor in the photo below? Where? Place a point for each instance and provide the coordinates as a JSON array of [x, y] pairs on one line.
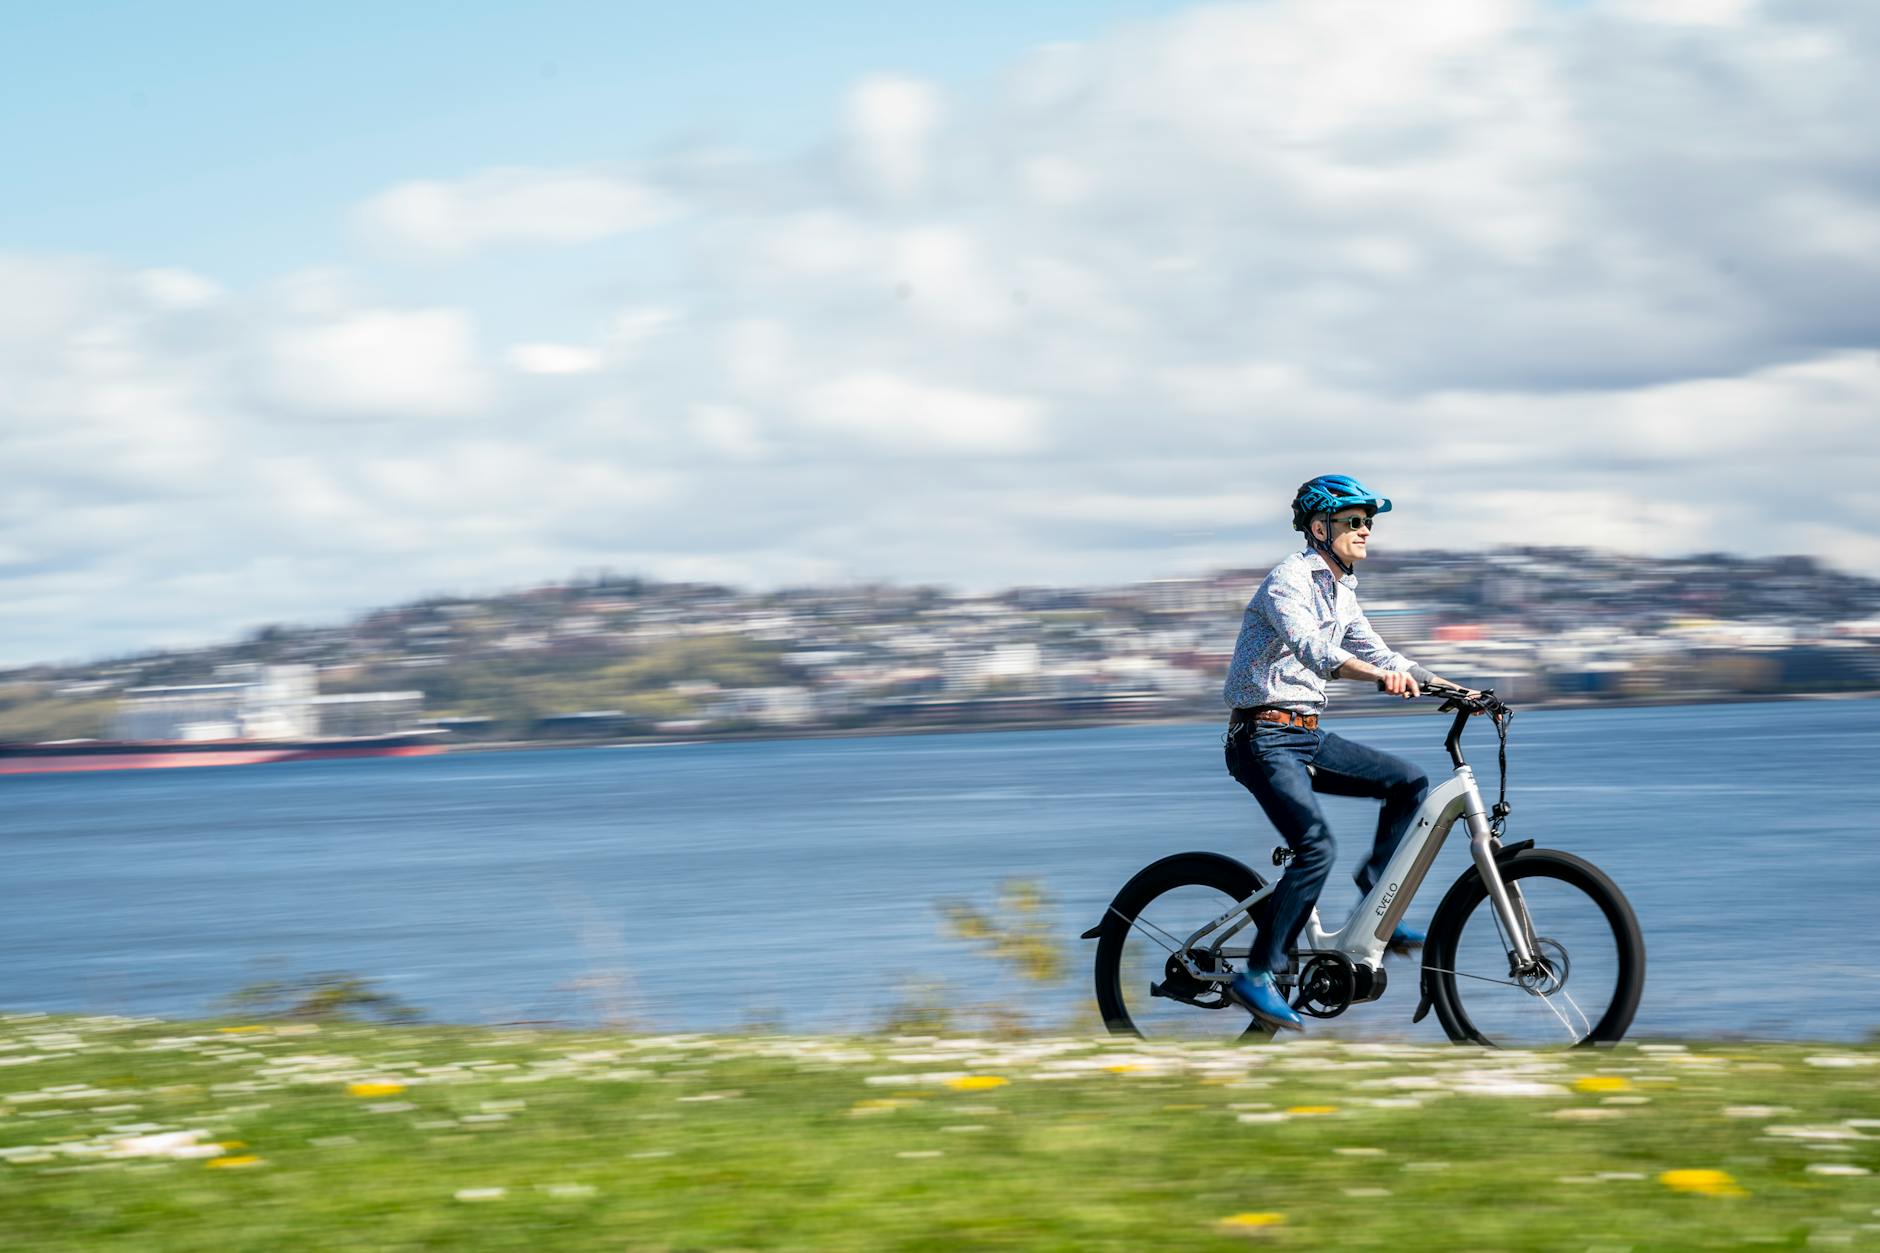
[[1549, 973]]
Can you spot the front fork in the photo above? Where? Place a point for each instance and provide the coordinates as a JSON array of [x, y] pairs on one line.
[[1510, 909]]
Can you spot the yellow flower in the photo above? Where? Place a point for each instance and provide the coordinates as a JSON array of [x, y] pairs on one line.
[[241, 1030], [976, 1083], [877, 1105], [1307, 1110], [375, 1087], [1602, 1083], [242, 1159], [1250, 1222], [1123, 1068], [1702, 1182]]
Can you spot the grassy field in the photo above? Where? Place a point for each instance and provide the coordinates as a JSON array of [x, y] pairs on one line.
[[172, 1136]]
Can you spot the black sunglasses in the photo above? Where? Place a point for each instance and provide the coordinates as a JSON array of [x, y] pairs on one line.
[[1364, 520]]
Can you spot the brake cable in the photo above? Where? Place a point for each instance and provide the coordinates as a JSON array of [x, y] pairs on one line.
[[1502, 715], [1498, 816]]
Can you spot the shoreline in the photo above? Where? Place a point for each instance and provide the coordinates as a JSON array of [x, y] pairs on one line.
[[235, 1022], [891, 730]]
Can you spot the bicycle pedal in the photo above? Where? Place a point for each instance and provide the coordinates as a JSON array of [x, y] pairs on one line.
[[1157, 989]]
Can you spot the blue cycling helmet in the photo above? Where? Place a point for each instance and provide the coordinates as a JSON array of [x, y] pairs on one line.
[[1328, 494]]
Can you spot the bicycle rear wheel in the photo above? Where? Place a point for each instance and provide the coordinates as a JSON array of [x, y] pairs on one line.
[[1591, 968], [1147, 924]]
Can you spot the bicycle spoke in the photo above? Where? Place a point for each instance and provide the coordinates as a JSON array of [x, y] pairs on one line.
[[1168, 942], [1579, 1013], [1575, 982], [1463, 974], [1553, 1009]]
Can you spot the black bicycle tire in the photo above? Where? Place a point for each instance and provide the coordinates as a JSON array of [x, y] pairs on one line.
[[1469, 892], [1210, 870]]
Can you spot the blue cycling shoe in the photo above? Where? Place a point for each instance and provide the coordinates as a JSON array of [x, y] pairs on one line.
[[1405, 939], [1261, 997]]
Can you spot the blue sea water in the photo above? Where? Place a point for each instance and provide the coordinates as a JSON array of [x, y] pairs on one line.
[[706, 886]]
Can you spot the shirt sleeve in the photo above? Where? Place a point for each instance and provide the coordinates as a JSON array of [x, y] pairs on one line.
[[1362, 638], [1289, 609]]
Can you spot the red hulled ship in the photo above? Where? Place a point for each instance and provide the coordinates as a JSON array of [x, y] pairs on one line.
[[69, 756]]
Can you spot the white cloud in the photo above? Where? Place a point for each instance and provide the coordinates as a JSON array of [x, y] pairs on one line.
[[316, 292], [1833, 224], [1612, 518], [1693, 12], [891, 122], [758, 355], [1150, 511], [555, 359], [627, 336], [42, 297], [632, 329], [380, 363], [886, 411], [170, 288], [1056, 181], [820, 242], [1608, 272], [945, 279], [511, 206], [729, 431]]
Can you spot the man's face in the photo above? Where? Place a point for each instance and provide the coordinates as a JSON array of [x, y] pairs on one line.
[[1349, 545]]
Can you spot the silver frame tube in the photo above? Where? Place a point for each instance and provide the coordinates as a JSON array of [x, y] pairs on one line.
[[1366, 933]]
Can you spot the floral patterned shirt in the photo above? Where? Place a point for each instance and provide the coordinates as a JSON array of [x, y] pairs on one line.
[[1301, 625]]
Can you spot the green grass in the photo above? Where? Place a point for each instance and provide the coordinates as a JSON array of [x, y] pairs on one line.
[[483, 1139]]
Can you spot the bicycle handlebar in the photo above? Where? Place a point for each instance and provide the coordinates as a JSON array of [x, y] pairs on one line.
[[1462, 698], [1466, 704]]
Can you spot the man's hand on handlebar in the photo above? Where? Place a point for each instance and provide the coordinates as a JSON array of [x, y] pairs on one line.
[[1454, 695]]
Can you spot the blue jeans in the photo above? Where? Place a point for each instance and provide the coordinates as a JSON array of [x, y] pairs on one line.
[[1270, 761]]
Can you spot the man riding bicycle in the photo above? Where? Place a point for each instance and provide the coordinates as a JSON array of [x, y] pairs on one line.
[[1302, 627]]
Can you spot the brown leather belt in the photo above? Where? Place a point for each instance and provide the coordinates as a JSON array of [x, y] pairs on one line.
[[1284, 717]]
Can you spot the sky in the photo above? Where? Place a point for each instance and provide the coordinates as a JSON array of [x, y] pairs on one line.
[[303, 313]]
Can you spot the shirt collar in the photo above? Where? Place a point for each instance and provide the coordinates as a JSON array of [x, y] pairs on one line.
[[1319, 565]]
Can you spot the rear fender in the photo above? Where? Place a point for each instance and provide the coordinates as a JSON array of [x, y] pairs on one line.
[[1131, 891]]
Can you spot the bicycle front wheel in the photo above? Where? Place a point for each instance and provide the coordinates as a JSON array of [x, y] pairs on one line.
[[1142, 986], [1590, 969]]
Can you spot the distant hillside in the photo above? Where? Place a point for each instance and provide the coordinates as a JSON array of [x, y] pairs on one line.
[[632, 655]]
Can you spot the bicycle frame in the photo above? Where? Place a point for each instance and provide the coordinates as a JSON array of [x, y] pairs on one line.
[[1366, 934]]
